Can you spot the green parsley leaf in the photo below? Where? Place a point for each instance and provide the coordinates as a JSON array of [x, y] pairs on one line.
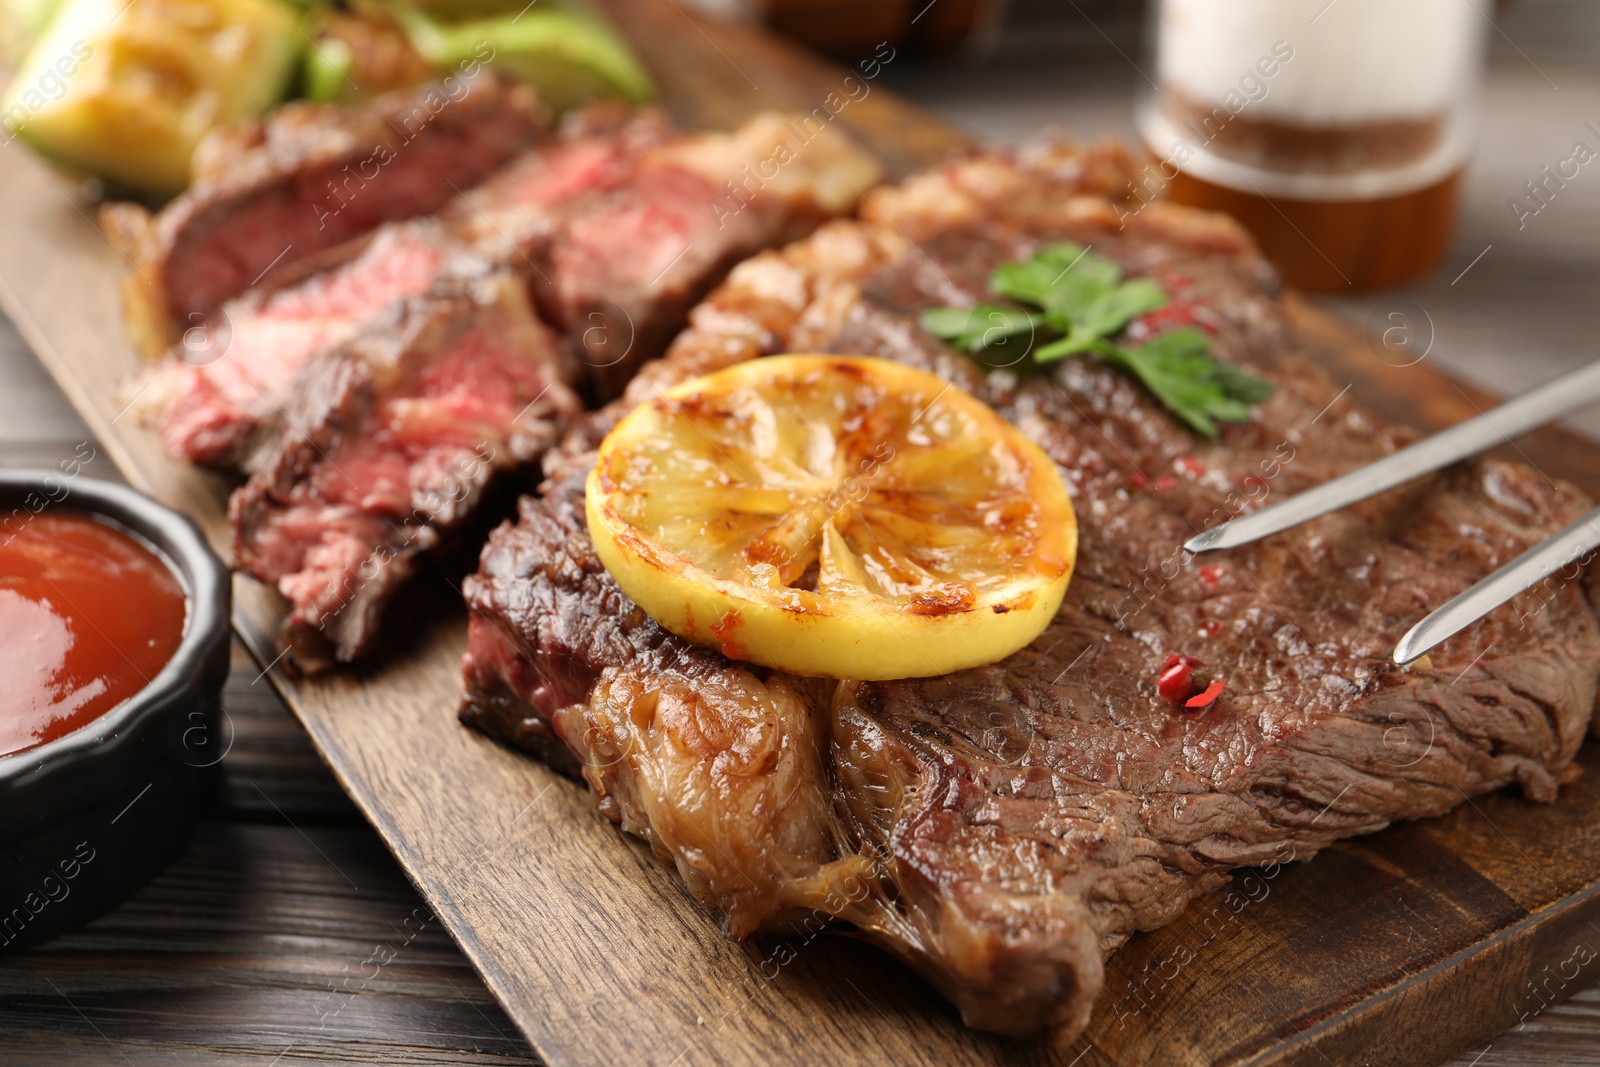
[[983, 327], [1057, 270], [1241, 385], [1177, 367], [1103, 317], [1083, 303]]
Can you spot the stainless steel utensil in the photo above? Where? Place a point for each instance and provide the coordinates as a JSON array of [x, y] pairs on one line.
[[1532, 409], [1524, 572], [1546, 403]]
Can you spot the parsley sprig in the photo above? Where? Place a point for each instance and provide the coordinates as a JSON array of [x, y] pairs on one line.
[[1075, 302]]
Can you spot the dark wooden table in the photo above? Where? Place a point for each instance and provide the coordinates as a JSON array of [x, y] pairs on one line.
[[256, 946]]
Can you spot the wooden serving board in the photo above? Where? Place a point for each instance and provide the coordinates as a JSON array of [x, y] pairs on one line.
[[1403, 948]]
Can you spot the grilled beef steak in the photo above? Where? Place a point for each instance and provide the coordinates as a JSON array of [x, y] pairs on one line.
[[320, 379], [627, 261], [517, 209], [618, 211], [390, 444], [1016, 823], [272, 193], [219, 399]]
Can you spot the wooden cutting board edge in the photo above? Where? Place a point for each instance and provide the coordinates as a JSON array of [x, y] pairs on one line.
[[1382, 1021]]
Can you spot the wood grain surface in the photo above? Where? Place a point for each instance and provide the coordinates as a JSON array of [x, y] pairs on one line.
[[1403, 948]]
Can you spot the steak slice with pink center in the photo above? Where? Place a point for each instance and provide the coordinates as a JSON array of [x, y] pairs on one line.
[[390, 445], [271, 193], [222, 397]]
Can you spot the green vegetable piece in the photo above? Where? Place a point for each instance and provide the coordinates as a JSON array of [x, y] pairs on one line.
[[1083, 299], [127, 91], [1108, 315], [1082, 294], [1055, 271], [570, 56], [1105, 316], [982, 327], [327, 70], [1178, 368], [1241, 385]]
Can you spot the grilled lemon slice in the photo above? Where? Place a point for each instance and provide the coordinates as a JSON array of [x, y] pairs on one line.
[[835, 516]]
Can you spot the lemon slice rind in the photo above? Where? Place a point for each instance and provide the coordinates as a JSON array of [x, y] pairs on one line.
[[808, 632]]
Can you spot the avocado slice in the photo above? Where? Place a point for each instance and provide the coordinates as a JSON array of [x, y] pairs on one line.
[[568, 54], [125, 92]]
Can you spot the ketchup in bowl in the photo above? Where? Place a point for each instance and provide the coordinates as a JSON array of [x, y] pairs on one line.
[[88, 617]]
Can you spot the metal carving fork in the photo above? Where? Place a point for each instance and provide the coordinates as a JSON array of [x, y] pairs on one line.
[[1533, 409]]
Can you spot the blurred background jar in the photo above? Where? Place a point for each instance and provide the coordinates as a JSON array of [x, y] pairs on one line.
[[1335, 130], [848, 29]]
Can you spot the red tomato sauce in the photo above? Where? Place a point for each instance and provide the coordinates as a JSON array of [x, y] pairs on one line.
[[88, 617]]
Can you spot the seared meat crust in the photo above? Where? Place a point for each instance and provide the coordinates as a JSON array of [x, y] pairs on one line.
[[1004, 829]]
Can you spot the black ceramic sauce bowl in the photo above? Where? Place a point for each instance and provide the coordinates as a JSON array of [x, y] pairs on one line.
[[88, 818]]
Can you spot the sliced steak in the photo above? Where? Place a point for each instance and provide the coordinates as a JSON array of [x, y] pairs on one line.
[[309, 177], [629, 260], [219, 398], [391, 442], [220, 395], [516, 211], [601, 206], [1004, 829]]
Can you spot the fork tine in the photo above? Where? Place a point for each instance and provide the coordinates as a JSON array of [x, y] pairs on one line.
[[1524, 572], [1532, 409]]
